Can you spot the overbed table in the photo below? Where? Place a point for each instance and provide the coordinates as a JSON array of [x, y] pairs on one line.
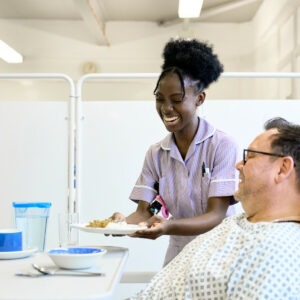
[[62, 287]]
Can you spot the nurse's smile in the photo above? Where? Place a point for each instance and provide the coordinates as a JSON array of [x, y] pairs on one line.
[[169, 121]]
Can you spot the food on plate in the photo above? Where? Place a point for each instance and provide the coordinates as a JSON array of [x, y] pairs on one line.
[[107, 223], [117, 224], [99, 223]]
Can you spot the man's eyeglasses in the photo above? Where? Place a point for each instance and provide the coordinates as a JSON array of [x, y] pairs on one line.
[[245, 153]]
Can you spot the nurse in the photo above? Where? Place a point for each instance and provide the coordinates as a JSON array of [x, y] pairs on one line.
[[193, 167]]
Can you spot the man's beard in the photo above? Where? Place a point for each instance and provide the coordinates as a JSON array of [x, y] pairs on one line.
[[248, 193], [237, 197]]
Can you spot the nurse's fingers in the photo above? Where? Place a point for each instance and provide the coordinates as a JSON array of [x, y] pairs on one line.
[[152, 232], [143, 224], [150, 236], [114, 234], [155, 220], [118, 217]]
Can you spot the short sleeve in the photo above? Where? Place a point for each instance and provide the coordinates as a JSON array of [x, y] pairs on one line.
[[145, 187], [224, 175]]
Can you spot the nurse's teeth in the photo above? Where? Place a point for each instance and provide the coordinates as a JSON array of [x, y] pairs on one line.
[[170, 119]]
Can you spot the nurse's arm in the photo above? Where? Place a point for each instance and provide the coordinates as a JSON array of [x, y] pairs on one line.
[[215, 213], [141, 214]]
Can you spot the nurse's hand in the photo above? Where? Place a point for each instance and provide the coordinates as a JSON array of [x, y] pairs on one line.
[[158, 228], [118, 217]]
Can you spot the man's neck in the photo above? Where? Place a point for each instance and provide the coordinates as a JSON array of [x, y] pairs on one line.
[[273, 214], [275, 207], [274, 219]]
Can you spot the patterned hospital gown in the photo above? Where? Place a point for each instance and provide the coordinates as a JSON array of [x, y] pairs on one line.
[[235, 260]]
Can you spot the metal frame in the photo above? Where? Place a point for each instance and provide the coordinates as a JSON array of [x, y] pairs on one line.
[[71, 123], [140, 277], [79, 118], [141, 76], [75, 115]]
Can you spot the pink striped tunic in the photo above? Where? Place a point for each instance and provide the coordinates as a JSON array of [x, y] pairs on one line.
[[181, 183]]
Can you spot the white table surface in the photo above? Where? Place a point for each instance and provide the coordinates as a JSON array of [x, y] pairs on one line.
[[62, 287]]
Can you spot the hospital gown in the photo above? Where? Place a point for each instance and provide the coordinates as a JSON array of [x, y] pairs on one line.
[[235, 260]]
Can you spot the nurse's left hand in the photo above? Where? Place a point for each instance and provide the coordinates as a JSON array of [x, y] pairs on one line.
[[157, 227]]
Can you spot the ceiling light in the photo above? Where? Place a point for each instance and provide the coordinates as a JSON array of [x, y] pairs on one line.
[[9, 54], [189, 8]]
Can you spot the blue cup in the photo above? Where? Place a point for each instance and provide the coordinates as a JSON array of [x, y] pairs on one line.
[[10, 240]]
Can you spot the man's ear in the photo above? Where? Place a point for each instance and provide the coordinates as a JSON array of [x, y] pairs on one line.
[[200, 98], [286, 168]]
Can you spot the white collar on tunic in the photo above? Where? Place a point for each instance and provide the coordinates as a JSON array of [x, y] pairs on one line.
[[204, 131]]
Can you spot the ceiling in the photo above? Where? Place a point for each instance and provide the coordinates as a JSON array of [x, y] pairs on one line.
[[98, 22], [161, 11]]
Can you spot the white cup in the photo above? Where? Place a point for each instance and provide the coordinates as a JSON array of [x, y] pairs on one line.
[[68, 236]]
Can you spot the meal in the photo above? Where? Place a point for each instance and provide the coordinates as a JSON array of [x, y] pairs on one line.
[[99, 223], [107, 223]]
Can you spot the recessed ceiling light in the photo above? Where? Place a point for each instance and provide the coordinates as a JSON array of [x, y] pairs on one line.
[[189, 8], [8, 54]]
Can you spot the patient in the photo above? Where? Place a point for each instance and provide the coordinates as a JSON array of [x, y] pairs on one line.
[[254, 255]]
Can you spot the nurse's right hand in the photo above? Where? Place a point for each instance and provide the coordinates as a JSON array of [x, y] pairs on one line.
[[157, 226], [118, 217]]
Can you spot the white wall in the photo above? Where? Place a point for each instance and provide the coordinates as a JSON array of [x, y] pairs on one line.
[[34, 159], [276, 47]]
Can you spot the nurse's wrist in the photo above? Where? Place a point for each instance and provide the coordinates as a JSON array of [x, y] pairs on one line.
[[169, 227]]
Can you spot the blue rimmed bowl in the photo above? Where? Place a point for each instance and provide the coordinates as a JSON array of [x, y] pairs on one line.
[[76, 258]]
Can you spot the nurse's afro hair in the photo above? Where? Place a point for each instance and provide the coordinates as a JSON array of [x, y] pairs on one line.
[[193, 59]]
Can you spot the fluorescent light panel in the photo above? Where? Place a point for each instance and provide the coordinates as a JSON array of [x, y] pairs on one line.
[[8, 54], [189, 8]]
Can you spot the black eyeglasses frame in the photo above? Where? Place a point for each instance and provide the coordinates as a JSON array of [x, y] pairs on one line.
[[260, 152]]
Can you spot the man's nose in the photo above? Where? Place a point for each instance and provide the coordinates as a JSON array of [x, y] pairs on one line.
[[239, 165]]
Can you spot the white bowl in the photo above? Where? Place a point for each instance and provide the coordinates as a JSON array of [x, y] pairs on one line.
[[75, 258]]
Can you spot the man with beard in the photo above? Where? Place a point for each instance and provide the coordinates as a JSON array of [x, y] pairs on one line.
[[256, 254]]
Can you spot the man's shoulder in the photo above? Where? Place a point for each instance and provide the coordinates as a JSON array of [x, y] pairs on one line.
[[235, 219], [229, 224], [286, 233]]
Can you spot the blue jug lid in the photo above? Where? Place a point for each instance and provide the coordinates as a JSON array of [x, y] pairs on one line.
[[32, 204]]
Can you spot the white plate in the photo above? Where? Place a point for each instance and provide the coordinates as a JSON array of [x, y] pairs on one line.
[[130, 228], [17, 254]]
